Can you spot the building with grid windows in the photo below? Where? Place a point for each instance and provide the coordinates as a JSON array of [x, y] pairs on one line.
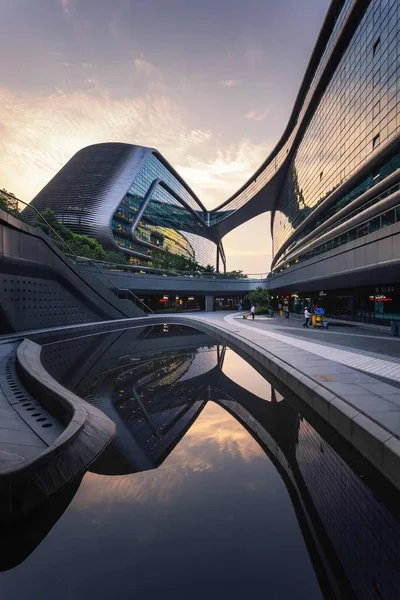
[[129, 198], [332, 183]]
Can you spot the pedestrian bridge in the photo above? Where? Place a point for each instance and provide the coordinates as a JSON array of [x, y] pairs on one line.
[[158, 283]]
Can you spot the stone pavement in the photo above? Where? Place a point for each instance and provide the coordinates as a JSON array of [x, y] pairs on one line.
[[374, 352]]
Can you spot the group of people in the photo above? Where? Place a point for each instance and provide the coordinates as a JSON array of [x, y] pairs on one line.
[[314, 310], [307, 314]]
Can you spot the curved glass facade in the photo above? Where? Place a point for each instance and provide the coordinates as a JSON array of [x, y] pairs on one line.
[[165, 218], [358, 114]]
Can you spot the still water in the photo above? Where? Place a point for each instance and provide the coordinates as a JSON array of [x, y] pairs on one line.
[[219, 484]]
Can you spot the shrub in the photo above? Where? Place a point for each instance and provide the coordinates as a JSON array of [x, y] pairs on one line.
[[263, 310]]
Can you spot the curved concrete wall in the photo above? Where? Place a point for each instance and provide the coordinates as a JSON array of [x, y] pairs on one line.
[[39, 287]]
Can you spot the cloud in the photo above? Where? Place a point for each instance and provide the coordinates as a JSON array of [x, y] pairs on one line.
[[229, 82], [40, 132], [219, 176], [254, 115], [66, 6], [144, 67]]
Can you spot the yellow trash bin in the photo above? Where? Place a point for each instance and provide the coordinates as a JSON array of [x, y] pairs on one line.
[[313, 320]]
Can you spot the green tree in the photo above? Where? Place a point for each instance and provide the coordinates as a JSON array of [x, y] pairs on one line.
[[174, 262], [208, 269], [79, 244], [259, 296], [9, 202], [236, 275]]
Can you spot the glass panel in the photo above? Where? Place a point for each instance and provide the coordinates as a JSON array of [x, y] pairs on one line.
[[375, 224], [388, 218]]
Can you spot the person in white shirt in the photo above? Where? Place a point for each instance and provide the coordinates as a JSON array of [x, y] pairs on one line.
[[307, 316], [253, 311]]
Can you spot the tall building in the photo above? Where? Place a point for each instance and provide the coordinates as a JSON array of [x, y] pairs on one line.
[[332, 183], [129, 198]]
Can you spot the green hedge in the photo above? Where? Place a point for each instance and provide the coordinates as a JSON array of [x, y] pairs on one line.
[[263, 310]]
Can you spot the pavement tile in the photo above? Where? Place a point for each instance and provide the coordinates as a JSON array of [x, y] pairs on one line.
[[24, 438], [380, 388], [393, 398], [390, 420], [15, 453], [344, 389], [371, 404]]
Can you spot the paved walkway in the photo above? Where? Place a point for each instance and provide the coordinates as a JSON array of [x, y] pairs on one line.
[[370, 351]]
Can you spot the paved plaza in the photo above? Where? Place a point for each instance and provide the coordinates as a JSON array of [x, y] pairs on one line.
[[367, 349]]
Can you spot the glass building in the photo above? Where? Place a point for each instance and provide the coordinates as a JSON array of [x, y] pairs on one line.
[[130, 199], [332, 183]]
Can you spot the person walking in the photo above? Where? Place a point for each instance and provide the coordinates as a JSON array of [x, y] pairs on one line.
[[307, 316], [253, 311]]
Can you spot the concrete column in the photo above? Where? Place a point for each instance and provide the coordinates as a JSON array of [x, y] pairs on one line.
[[209, 303], [217, 265]]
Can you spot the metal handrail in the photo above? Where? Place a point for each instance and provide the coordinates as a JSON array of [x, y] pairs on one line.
[[141, 270], [71, 251]]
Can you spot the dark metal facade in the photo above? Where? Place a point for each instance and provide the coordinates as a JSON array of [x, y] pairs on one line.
[[129, 198], [332, 180]]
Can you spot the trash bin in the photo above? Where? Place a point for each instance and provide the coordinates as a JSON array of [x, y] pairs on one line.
[[313, 320], [271, 313], [286, 314], [394, 328], [319, 320]]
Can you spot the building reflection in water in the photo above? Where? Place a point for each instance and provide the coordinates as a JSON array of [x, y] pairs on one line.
[[154, 383]]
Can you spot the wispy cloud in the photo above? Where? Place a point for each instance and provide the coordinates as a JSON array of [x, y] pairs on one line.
[[144, 66], [255, 115], [229, 82], [222, 173], [66, 6], [41, 132]]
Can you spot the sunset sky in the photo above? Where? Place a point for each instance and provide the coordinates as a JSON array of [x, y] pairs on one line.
[[209, 83]]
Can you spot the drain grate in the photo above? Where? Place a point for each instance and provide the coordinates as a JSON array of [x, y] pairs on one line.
[[47, 427]]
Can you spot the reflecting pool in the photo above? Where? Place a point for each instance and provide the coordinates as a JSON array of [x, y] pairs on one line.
[[219, 484]]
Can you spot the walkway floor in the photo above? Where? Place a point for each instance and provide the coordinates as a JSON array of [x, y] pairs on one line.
[[374, 352]]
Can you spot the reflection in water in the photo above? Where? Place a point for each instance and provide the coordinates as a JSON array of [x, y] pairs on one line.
[[238, 462]]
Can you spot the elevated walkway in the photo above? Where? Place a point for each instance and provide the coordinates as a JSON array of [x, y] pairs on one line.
[[175, 284]]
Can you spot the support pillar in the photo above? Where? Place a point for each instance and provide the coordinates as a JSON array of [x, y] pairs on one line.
[[217, 265], [210, 304]]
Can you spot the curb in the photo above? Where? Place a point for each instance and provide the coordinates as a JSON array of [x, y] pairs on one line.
[[378, 445], [373, 441], [87, 432]]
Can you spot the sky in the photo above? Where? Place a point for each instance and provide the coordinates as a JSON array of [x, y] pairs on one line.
[[209, 83]]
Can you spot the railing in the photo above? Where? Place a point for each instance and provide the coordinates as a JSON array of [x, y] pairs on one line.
[[79, 259], [365, 317], [386, 218], [102, 266], [141, 270]]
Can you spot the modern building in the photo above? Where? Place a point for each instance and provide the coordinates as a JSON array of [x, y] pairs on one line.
[[332, 183], [129, 198]]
